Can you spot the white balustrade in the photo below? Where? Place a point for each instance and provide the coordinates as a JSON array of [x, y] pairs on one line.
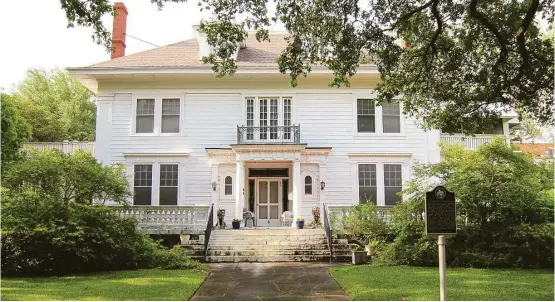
[[166, 219], [469, 142], [68, 147], [384, 212]]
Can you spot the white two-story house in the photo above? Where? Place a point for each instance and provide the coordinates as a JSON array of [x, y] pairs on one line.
[[250, 141]]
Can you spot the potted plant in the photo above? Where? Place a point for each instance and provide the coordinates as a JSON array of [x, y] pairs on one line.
[[236, 223], [299, 222], [371, 248], [359, 255]]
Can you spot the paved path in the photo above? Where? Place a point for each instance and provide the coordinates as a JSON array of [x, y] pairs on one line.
[[270, 281]]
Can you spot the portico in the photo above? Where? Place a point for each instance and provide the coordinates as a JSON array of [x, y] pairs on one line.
[[267, 180]]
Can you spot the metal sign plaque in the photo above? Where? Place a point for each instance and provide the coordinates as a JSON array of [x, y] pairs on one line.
[[440, 212]]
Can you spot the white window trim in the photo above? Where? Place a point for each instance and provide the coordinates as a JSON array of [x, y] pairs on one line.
[[157, 131], [256, 110], [156, 162], [313, 196], [222, 186], [379, 162], [379, 134]]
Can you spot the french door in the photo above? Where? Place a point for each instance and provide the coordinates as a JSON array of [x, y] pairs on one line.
[[269, 119], [268, 205]]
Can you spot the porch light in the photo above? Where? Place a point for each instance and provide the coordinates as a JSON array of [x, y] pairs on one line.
[[322, 184], [214, 185]]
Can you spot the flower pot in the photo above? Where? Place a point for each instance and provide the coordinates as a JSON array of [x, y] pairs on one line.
[[360, 257], [300, 224], [236, 224]]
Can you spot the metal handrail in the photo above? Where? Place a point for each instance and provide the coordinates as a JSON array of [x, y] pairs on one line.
[[327, 228], [269, 134], [208, 231]]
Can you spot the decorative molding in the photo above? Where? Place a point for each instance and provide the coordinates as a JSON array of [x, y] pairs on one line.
[[380, 154], [155, 154], [268, 148]]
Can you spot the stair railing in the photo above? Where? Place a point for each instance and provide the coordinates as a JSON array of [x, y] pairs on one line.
[[208, 231], [327, 227]]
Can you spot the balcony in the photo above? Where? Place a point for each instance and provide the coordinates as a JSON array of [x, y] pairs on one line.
[[251, 135], [469, 142]]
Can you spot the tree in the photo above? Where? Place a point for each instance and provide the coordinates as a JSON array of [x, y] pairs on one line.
[[75, 178], [56, 106], [462, 64], [527, 130], [15, 130]]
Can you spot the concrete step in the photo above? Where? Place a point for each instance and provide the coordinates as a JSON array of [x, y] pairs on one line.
[[268, 253], [269, 236], [280, 258], [268, 247]]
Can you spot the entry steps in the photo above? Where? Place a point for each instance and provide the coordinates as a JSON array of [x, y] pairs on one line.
[[269, 245]]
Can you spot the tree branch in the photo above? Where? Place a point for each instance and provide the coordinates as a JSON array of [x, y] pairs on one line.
[[409, 14]]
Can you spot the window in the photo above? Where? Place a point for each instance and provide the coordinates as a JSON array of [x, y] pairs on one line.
[[250, 118], [168, 185], [170, 115], [391, 118], [393, 183], [273, 118], [287, 118], [308, 185], [263, 118], [366, 115], [145, 116], [367, 188], [228, 185], [142, 184]]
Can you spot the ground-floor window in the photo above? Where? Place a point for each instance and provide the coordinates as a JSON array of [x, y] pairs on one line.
[[168, 184], [393, 183], [142, 185], [367, 185]]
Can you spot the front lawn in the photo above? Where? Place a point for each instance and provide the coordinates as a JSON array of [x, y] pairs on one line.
[[154, 284], [390, 283]]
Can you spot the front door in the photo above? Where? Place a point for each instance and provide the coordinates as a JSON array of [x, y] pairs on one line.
[[268, 202]]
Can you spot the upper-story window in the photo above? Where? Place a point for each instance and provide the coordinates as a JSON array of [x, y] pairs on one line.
[[366, 115], [170, 115], [391, 116], [268, 119], [145, 116], [157, 115]]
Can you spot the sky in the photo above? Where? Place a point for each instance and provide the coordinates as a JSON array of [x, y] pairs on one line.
[[37, 34]]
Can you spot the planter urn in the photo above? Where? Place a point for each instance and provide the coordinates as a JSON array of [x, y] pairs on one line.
[[236, 224], [184, 239], [359, 257], [300, 224]]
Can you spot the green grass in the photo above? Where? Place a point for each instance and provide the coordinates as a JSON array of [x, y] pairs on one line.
[[155, 284], [379, 283]]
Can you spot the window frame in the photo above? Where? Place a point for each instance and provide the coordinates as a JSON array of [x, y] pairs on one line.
[[157, 131], [152, 179], [376, 180], [373, 102], [393, 115], [179, 115], [378, 134], [389, 186], [160, 164], [311, 185], [225, 185], [256, 108]]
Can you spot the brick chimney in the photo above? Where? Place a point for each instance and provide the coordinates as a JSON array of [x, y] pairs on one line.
[[119, 30]]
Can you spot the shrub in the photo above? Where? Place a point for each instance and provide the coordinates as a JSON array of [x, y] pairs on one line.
[[41, 235], [174, 258], [504, 211], [365, 224]]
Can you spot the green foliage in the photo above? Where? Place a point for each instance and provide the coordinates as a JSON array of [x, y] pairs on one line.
[[364, 223], [56, 106], [41, 235], [15, 130], [174, 258], [504, 211], [527, 130], [67, 178]]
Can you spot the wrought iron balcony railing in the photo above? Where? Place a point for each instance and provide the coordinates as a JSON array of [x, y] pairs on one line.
[[269, 134]]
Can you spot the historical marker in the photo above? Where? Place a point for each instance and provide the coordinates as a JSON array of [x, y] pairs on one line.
[[440, 212]]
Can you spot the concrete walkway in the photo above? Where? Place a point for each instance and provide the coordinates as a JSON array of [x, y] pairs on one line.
[[270, 282]]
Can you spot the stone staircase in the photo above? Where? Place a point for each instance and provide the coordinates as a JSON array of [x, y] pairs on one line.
[[270, 245]]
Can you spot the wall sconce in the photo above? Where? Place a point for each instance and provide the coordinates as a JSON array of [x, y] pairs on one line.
[[214, 185], [322, 184]]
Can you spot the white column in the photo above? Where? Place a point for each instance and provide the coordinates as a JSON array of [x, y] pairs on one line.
[[506, 131], [239, 188], [297, 185]]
